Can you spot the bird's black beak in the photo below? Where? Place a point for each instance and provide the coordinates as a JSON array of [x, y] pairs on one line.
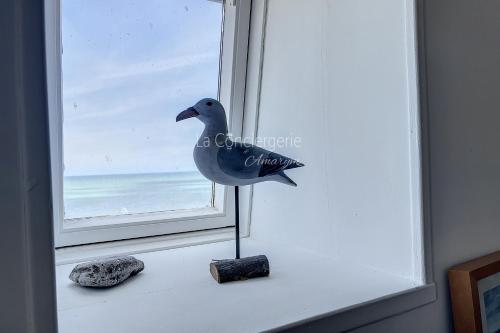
[[188, 113]]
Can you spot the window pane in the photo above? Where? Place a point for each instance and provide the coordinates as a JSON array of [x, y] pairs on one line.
[[128, 68]]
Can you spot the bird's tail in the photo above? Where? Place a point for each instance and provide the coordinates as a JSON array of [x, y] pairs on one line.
[[283, 178]]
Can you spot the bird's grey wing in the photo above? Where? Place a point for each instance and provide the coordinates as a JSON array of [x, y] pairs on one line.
[[247, 161], [240, 160]]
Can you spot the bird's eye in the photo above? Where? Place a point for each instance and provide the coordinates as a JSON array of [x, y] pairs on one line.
[[209, 103]]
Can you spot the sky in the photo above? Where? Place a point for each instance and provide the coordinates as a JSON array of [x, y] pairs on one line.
[[129, 67]]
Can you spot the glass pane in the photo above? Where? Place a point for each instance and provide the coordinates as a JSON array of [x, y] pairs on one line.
[[128, 68]]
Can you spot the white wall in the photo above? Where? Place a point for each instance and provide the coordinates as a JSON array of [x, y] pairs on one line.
[[460, 84], [340, 67]]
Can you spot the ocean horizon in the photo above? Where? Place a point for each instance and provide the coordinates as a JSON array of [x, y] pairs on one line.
[[120, 194]]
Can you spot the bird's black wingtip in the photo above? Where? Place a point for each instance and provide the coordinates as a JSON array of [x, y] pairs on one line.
[[294, 165]]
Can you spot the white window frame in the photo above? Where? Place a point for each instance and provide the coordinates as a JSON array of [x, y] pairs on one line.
[[232, 80]]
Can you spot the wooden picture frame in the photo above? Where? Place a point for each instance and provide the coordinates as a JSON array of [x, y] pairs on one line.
[[470, 284]]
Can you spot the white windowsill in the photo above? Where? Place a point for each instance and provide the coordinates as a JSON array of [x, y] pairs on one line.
[[176, 293]]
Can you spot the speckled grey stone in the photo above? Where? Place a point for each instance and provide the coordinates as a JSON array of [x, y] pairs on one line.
[[106, 272]]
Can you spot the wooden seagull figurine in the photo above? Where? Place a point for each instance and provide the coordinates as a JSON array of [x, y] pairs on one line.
[[226, 162]]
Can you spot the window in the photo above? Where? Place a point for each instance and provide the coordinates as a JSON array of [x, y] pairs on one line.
[[118, 73]]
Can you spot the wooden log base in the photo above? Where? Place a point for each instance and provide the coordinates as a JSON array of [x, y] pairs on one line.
[[239, 269]]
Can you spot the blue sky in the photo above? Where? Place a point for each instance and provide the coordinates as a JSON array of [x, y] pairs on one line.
[[128, 68]]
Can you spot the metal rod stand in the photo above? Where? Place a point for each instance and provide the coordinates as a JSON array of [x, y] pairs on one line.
[[237, 221]]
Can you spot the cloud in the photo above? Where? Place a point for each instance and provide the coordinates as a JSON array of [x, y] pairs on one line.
[[120, 102], [112, 75]]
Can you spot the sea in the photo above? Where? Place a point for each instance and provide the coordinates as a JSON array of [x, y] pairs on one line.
[[105, 195]]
